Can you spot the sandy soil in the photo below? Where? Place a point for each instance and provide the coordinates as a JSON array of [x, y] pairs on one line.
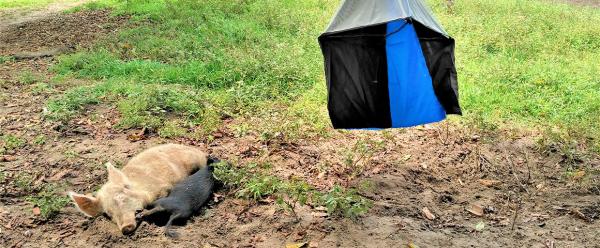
[[526, 197]]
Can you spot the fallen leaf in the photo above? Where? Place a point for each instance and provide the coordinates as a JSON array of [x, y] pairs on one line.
[[489, 183], [297, 245], [321, 208], [578, 175], [480, 226], [319, 214], [412, 245], [580, 215], [59, 175], [37, 211], [141, 135], [7, 158], [476, 210], [428, 214], [313, 244]]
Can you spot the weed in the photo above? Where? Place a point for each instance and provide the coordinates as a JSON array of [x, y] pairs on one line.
[[252, 183], [292, 193], [49, 200], [241, 130], [345, 202], [28, 77], [172, 129], [70, 154], [24, 182], [360, 155], [40, 88], [40, 140], [4, 59], [74, 101], [11, 142]]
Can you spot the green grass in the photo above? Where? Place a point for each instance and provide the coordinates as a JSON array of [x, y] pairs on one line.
[[10, 142], [528, 63], [197, 61], [49, 200], [254, 182], [29, 3]]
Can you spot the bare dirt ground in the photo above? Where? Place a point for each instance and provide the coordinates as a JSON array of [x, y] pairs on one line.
[[462, 176], [14, 17], [593, 3]]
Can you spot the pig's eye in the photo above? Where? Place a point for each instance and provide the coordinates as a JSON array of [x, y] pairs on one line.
[[138, 211]]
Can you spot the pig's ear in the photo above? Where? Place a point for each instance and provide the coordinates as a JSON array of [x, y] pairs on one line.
[[115, 175], [88, 205]]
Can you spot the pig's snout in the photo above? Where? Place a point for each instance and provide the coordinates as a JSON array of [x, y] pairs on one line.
[[128, 229]]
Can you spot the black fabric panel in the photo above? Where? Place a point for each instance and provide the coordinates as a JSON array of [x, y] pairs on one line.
[[439, 54], [357, 78]]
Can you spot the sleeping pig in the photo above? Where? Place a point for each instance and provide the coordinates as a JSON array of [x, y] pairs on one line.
[[186, 198], [146, 177]]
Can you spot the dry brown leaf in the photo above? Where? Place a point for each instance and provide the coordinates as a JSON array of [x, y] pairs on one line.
[[412, 245], [489, 183], [37, 211], [428, 214], [579, 175], [141, 135], [476, 210], [297, 245], [319, 214], [321, 208], [7, 158], [579, 214], [59, 175]]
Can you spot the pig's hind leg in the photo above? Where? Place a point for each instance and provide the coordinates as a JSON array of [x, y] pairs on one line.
[[169, 232]]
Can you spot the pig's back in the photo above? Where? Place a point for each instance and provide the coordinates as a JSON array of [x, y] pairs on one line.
[[157, 169]]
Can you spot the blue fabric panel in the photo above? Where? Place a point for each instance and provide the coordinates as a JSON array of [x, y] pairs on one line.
[[412, 99]]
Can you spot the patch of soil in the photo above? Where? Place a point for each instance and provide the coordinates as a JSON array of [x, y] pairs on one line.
[[58, 30], [523, 196], [592, 3], [14, 16]]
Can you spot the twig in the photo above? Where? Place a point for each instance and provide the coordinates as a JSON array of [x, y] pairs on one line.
[[512, 229], [514, 172], [528, 168]]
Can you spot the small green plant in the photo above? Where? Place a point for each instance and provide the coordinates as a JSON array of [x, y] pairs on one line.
[[2, 176], [24, 182], [11, 142], [241, 130], [4, 59], [251, 183], [39, 140], [71, 154], [360, 155], [293, 193], [173, 129], [49, 201], [28, 77], [40, 88], [258, 187], [345, 202]]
